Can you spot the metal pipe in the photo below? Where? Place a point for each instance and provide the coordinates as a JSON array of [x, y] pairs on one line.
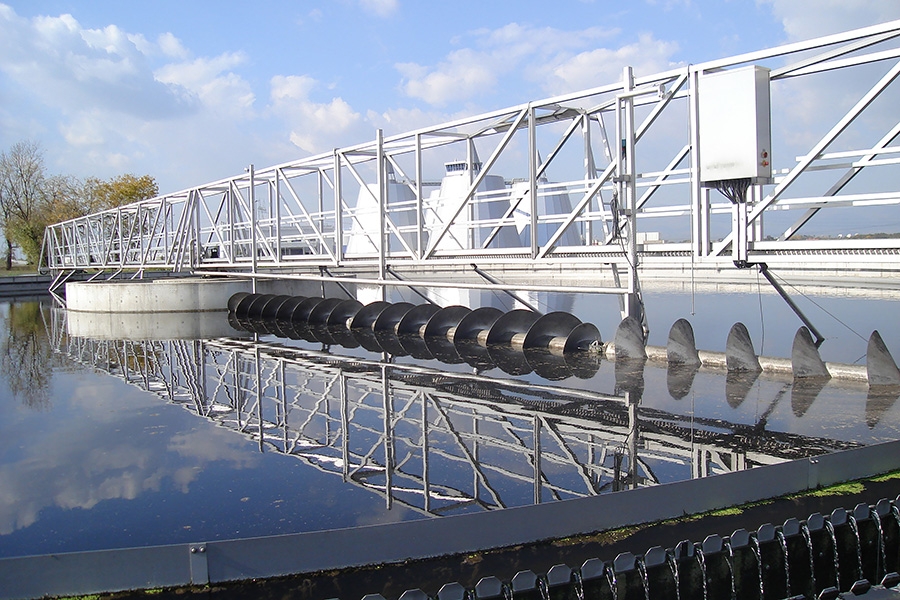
[[252, 226], [412, 287], [764, 269], [434, 284], [506, 290]]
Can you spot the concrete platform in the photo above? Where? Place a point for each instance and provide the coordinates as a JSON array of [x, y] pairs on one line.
[[179, 294]]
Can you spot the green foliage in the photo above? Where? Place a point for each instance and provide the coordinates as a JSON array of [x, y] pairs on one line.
[[30, 200], [118, 191]]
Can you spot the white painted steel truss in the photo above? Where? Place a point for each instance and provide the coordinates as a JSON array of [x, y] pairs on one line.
[[615, 170]]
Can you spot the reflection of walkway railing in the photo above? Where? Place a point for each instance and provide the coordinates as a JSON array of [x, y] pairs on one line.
[[431, 441]]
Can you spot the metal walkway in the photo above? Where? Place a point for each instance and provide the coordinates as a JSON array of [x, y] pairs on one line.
[[615, 171]]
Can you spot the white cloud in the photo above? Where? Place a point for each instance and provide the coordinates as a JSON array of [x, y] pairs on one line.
[[315, 126], [817, 102], [399, 120], [171, 46], [381, 8], [67, 67], [604, 65], [805, 19], [212, 82], [553, 60], [464, 74]]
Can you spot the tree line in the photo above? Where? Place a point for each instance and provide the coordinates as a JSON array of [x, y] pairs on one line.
[[31, 199]]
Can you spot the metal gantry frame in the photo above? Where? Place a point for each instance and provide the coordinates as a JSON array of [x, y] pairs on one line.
[[634, 198], [435, 442]]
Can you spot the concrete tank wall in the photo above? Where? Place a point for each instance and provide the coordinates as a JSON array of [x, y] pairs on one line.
[[179, 295], [176, 295]]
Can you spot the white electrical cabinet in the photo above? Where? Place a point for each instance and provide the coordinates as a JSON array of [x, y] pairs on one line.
[[734, 126]]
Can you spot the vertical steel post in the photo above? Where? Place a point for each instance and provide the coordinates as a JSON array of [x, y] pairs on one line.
[[252, 228], [382, 206], [198, 245], [164, 206], [590, 173], [420, 217], [739, 243], [699, 195], [625, 167], [470, 201], [277, 194], [532, 181], [321, 192], [121, 245], [338, 211]]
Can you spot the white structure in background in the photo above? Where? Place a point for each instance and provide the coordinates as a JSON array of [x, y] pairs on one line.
[[471, 227], [365, 237], [552, 208]]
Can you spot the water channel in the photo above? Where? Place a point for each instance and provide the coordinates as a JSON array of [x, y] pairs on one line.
[[111, 442]]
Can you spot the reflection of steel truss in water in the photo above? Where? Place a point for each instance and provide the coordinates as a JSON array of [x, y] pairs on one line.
[[432, 441]]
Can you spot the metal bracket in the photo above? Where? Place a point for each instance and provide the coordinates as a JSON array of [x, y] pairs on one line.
[[812, 481], [199, 564]]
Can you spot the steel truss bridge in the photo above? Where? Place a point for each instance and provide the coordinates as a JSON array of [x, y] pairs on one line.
[[615, 171], [435, 442]]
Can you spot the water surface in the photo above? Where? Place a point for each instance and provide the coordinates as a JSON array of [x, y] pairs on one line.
[[114, 443]]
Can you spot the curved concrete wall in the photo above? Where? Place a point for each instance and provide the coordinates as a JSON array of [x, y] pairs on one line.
[[163, 295]]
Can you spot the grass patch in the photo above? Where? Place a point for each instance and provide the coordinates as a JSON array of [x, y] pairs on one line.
[[886, 477], [840, 489]]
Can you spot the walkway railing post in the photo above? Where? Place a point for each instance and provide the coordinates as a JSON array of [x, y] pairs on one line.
[[420, 217], [625, 169], [338, 211], [253, 249], [532, 181], [382, 207]]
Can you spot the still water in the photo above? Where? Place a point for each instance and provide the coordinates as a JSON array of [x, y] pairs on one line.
[[109, 443]]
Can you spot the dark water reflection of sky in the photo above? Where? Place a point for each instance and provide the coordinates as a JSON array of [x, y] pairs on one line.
[[88, 461]]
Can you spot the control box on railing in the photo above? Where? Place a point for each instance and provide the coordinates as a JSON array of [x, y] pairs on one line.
[[735, 126]]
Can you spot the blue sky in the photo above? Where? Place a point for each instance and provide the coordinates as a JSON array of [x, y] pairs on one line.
[[194, 91]]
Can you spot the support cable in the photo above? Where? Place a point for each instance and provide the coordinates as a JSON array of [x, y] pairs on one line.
[[826, 311], [391, 271], [324, 270]]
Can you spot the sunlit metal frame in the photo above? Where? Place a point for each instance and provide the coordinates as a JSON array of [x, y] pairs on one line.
[[294, 218]]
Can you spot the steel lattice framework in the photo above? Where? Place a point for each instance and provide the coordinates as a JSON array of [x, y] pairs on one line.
[[624, 157]]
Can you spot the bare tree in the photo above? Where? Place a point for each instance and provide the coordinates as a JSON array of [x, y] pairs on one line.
[[4, 219], [23, 198], [30, 200]]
